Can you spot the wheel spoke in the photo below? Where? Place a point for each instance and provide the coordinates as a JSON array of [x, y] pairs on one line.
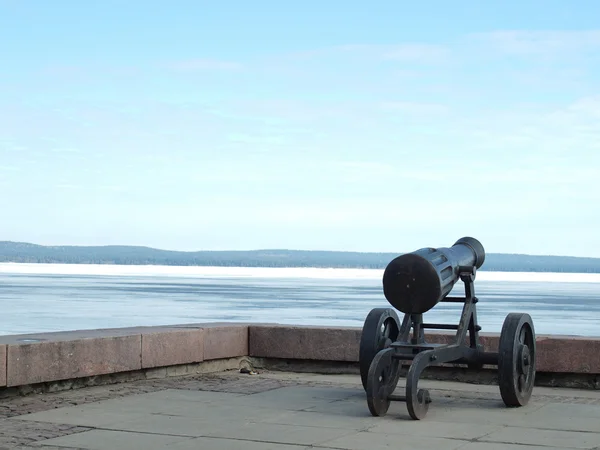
[[386, 329], [522, 383], [522, 336]]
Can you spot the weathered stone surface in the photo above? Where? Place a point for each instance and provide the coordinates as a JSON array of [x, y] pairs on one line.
[[173, 347], [39, 362], [2, 365], [568, 354], [488, 340], [73, 335], [317, 343], [15, 433], [225, 341]]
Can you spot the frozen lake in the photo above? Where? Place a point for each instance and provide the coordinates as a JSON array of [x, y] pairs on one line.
[[57, 297]]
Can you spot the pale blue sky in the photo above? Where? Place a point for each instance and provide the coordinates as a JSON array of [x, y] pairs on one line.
[[381, 126]]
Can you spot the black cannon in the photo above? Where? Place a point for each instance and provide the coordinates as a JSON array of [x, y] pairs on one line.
[[414, 283]]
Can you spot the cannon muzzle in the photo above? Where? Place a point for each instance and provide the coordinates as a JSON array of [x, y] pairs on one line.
[[415, 282]]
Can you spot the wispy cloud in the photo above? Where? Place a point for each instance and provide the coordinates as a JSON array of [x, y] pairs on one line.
[[200, 64], [501, 42], [540, 43], [401, 52], [415, 107], [88, 71], [70, 186], [9, 168], [419, 53], [65, 150]]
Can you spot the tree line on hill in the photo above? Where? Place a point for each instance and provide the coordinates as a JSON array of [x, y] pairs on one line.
[[19, 252]]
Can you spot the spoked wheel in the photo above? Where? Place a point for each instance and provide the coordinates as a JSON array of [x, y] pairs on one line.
[[516, 359], [381, 382], [380, 329]]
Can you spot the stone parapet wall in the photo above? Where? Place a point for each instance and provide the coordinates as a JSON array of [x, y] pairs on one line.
[[555, 354], [48, 357]]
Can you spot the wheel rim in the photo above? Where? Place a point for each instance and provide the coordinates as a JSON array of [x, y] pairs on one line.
[[381, 382], [516, 360]]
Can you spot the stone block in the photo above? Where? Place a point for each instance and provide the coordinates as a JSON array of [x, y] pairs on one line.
[[172, 347], [225, 341], [53, 360], [566, 354], [315, 343], [488, 340], [2, 365]]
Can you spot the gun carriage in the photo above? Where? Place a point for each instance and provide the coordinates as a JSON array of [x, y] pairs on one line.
[[413, 284]]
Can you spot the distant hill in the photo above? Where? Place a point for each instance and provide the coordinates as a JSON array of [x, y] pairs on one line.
[[21, 252]]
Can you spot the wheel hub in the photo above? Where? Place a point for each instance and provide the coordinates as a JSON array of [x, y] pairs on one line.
[[524, 358], [384, 343]]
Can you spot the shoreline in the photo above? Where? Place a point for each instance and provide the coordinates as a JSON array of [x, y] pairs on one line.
[[265, 272]]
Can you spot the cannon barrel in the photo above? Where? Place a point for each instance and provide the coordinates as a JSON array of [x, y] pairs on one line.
[[415, 282]]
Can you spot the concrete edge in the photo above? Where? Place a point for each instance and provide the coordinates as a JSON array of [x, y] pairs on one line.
[[58, 357]]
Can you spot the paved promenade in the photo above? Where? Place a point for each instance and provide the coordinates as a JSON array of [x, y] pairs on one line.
[[285, 411]]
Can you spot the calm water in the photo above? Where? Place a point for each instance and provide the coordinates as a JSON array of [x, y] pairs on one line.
[[38, 298]]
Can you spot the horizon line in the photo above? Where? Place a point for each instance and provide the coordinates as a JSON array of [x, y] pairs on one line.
[[276, 249]]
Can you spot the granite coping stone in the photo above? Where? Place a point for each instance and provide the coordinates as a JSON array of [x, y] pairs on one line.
[[109, 332], [40, 362], [172, 347], [305, 342], [224, 341]]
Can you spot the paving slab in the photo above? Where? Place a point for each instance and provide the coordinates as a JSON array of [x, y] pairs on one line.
[[281, 434], [375, 441], [295, 398], [231, 444], [282, 411], [174, 425], [431, 428], [496, 446], [317, 419], [81, 416], [556, 438], [113, 440]]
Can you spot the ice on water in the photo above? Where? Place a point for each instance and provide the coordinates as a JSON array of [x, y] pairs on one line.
[[55, 297]]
